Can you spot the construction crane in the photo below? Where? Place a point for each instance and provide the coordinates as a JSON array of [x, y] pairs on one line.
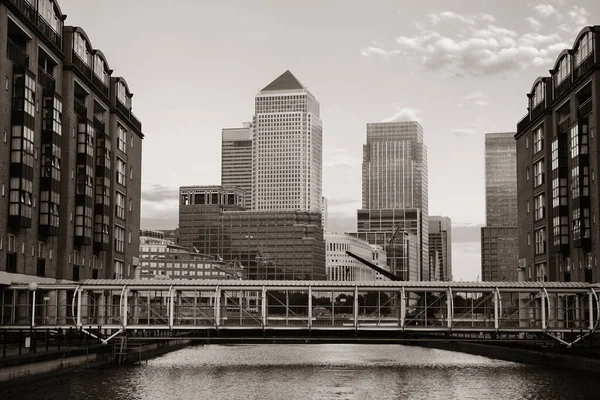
[[374, 267]]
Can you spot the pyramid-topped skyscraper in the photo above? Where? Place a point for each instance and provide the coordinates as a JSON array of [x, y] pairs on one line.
[[287, 154]]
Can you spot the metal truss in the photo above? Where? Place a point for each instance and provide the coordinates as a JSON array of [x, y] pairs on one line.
[[567, 312]]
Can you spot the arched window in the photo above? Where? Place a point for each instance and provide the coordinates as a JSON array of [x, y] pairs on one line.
[[538, 94], [81, 48], [100, 69], [585, 47], [46, 10], [122, 94], [564, 70]]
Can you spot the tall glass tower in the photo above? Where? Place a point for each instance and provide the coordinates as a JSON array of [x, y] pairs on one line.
[[287, 153], [394, 177], [499, 238]]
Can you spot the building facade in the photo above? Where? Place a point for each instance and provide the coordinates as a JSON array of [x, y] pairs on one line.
[[236, 158], [287, 155], [269, 245], [71, 153], [499, 237], [341, 267], [557, 162], [440, 247], [324, 213], [162, 259], [394, 177], [398, 232]]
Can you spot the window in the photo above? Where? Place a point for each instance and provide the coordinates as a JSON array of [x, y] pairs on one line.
[[122, 139], [540, 272], [121, 170], [80, 47], [46, 10], [540, 241], [538, 94], [538, 139], [561, 230], [527, 173], [564, 70], [538, 173], [122, 94], [540, 207], [120, 205], [119, 239], [100, 69], [11, 243], [118, 269], [585, 47], [559, 192]]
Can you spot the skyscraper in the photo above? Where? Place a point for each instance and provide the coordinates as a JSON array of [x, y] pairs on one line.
[[287, 155], [499, 238], [440, 241], [394, 178], [236, 158]]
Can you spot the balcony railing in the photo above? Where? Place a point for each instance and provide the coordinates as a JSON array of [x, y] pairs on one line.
[[563, 126], [81, 66], [522, 124], [79, 108], [100, 85], [563, 86], [584, 66], [48, 31], [135, 122], [129, 115], [99, 126], [45, 79], [26, 9], [585, 109], [538, 110], [17, 54]]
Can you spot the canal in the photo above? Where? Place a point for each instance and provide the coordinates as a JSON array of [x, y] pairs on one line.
[[342, 371]]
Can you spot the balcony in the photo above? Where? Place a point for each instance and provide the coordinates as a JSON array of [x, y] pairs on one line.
[[81, 66], [585, 109], [584, 66], [16, 54], [49, 32], [45, 79], [523, 124], [563, 126], [79, 108], [563, 87], [129, 115], [538, 110], [26, 9], [99, 126], [100, 85]]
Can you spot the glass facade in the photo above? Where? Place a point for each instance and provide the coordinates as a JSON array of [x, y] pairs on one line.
[[236, 158], [440, 241], [499, 238]]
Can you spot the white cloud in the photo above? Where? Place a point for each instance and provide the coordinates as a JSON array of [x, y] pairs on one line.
[[378, 51], [579, 16], [535, 24], [463, 131], [482, 103], [474, 95], [339, 157], [480, 47], [405, 114], [546, 10]]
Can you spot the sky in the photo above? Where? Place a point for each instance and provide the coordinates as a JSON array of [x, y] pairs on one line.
[[460, 67]]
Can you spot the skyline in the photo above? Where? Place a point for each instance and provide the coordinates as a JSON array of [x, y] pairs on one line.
[[365, 63]]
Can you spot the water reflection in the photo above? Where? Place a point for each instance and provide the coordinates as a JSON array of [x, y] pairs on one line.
[[317, 372]]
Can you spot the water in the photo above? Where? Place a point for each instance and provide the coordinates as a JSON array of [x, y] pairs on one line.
[[343, 371]]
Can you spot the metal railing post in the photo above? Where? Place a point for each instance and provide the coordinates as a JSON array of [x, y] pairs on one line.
[[544, 322], [171, 307], [449, 304], [217, 307], [496, 304], [356, 307], [263, 307], [310, 316], [403, 307]]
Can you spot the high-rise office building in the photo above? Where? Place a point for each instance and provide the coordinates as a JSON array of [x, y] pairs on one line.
[[557, 158], [287, 148], [394, 177], [499, 238], [236, 158], [324, 213], [70, 164], [440, 242]]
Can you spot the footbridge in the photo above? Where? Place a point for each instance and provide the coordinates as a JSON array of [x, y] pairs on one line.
[[105, 309]]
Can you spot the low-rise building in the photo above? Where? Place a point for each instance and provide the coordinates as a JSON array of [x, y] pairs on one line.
[[342, 267]]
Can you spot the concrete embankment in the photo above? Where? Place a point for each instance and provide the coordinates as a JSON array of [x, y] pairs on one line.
[[23, 368], [577, 358]]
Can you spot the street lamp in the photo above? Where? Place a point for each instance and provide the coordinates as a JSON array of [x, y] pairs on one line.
[[32, 288]]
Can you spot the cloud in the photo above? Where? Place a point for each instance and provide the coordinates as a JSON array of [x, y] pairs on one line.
[[160, 206], [482, 103], [463, 131], [378, 51], [159, 193], [339, 157], [579, 16], [405, 114], [545, 10], [474, 95], [480, 47], [535, 24]]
